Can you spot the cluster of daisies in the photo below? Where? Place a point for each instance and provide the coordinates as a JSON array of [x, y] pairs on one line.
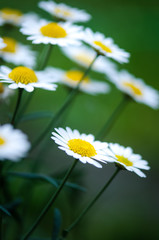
[[81, 46]]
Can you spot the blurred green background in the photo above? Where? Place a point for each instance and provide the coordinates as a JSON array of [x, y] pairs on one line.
[[129, 209]]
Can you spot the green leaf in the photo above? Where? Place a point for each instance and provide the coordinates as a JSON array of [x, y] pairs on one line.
[[36, 115], [3, 209], [57, 220]]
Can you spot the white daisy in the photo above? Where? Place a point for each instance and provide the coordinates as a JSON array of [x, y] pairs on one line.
[[136, 88], [46, 32], [5, 92], [72, 77], [105, 46], [2, 44], [14, 143], [24, 77], [17, 53], [126, 159], [80, 146], [15, 16], [64, 12], [85, 55]]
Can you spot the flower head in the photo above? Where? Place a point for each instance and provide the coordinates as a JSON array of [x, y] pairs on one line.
[[64, 12], [105, 46], [17, 53], [80, 146], [24, 77], [46, 32], [136, 88], [72, 77], [13, 143], [2, 44], [126, 159]]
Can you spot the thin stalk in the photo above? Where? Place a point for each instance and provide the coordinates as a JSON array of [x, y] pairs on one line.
[[17, 105], [50, 202], [63, 107], [110, 122], [77, 220]]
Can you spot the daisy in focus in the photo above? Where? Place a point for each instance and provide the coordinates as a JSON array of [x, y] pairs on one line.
[[71, 79], [105, 46], [63, 12], [5, 92], [46, 32], [26, 78], [17, 53], [14, 143], [84, 57], [136, 88], [14, 16], [80, 146], [126, 159], [2, 44]]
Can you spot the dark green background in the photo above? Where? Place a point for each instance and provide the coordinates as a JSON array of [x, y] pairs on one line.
[[129, 209]]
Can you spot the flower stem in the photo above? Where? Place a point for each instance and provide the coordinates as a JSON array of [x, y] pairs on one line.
[[110, 122], [51, 201], [67, 230], [20, 91], [63, 107], [44, 57]]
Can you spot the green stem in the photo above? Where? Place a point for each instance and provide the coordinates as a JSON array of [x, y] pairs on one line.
[[67, 230], [50, 202], [110, 122], [63, 107], [20, 91], [45, 57]]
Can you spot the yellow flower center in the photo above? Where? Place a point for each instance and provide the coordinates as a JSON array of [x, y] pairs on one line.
[[102, 46], [10, 45], [53, 30], [83, 58], [2, 141], [8, 13], [135, 89], [23, 75], [124, 160], [1, 88], [63, 12], [76, 76], [82, 147]]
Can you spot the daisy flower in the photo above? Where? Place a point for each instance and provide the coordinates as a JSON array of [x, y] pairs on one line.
[[85, 55], [2, 44], [24, 77], [80, 146], [14, 16], [46, 32], [5, 92], [136, 88], [126, 159], [17, 53], [72, 77], [13, 143], [64, 12], [105, 46]]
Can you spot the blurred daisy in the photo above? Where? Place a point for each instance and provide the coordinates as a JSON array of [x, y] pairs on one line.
[[85, 55], [72, 77], [14, 16], [136, 88], [105, 46], [126, 159], [23, 77], [5, 92], [46, 32], [64, 12], [2, 44], [17, 53], [13, 143], [80, 146]]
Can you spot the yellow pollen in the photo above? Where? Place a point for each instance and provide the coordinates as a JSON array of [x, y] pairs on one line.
[[102, 46], [83, 58], [8, 13], [82, 147], [135, 89], [63, 12], [53, 30], [2, 141], [10, 45], [1, 88], [23, 75], [76, 76], [124, 160]]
